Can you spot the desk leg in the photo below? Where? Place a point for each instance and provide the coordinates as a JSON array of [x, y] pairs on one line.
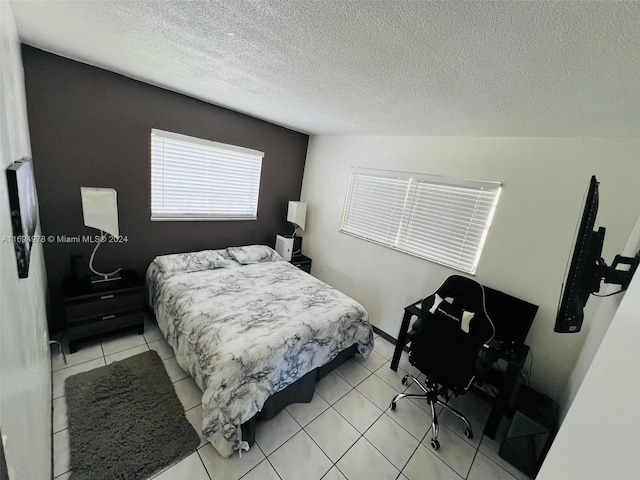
[[402, 340], [502, 400]]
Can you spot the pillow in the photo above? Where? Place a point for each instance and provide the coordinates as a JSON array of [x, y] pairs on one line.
[[445, 307], [190, 262], [254, 254]]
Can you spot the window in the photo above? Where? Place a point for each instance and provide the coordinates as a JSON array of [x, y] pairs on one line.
[[441, 219], [195, 179]]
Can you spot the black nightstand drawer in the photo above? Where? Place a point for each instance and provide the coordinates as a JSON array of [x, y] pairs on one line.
[[102, 305], [108, 323], [302, 262], [94, 309]]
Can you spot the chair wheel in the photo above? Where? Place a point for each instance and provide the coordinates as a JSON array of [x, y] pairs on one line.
[[435, 444], [393, 405], [405, 380], [468, 432]]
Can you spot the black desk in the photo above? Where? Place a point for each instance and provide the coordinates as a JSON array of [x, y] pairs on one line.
[[515, 362]]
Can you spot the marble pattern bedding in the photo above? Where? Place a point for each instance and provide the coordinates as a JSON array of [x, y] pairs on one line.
[[244, 332]]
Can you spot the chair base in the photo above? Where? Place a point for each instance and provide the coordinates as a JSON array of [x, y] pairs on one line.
[[431, 393]]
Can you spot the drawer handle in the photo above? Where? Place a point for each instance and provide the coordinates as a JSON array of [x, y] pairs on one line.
[[106, 297], [108, 317]]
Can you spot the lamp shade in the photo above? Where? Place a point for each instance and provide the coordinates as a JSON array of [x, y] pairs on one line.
[[100, 209], [297, 213]]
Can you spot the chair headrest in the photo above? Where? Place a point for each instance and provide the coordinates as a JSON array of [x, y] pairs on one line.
[[465, 292], [444, 307]]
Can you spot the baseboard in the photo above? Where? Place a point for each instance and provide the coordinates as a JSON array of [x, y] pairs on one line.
[[388, 337]]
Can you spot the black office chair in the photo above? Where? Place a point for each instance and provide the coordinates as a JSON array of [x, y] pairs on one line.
[[446, 344]]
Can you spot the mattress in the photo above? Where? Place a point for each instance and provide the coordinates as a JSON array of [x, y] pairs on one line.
[[247, 331]]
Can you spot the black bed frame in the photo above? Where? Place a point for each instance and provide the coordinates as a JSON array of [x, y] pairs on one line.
[[300, 391]]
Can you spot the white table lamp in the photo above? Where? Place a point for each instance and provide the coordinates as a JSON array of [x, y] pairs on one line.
[[100, 211], [296, 214]]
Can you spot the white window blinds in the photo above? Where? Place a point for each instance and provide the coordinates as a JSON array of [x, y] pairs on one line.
[[441, 219], [195, 179]]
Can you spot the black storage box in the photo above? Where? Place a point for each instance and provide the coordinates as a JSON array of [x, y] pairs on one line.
[[531, 431]]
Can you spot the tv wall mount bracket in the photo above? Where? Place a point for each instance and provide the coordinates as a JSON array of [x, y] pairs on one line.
[[615, 275]]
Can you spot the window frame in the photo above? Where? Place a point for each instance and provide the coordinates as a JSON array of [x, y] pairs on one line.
[[396, 205], [236, 161]]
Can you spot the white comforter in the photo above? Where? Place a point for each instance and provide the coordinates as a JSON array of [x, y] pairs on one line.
[[244, 332]]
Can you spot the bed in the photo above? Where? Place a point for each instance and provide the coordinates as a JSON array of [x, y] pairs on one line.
[[253, 331]]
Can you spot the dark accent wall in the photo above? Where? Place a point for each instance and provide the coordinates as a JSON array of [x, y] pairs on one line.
[[92, 127]]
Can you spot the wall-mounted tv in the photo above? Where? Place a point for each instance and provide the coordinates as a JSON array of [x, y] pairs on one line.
[[24, 211], [588, 269]]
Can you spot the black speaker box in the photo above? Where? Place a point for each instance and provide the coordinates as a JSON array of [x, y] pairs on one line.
[[531, 431], [297, 245]]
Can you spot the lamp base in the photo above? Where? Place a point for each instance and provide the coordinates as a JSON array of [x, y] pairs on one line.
[[105, 278]]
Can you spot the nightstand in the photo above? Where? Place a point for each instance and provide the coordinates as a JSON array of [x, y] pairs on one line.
[[94, 309], [302, 262]]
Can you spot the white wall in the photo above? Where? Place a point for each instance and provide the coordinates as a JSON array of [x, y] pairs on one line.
[[599, 326], [25, 378], [599, 436], [530, 240]]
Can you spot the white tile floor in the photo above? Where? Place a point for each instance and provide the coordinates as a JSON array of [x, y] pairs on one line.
[[346, 432]]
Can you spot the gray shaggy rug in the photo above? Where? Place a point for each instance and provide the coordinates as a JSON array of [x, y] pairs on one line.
[[125, 420]]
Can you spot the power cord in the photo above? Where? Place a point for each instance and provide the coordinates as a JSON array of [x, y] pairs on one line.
[[56, 342], [608, 294]]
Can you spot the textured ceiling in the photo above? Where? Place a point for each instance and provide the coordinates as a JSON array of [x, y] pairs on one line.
[[482, 68]]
